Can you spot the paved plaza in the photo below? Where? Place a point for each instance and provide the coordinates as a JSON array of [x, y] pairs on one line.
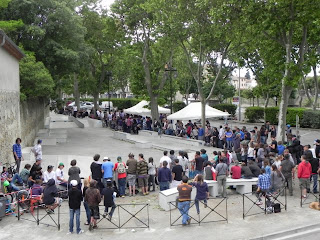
[[82, 143]]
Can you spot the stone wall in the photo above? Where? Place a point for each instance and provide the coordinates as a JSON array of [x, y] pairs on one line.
[[9, 123], [32, 118]]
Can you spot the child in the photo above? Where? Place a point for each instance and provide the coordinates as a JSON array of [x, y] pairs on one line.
[[108, 198], [75, 199], [251, 151], [36, 189], [25, 173], [266, 166], [85, 203]]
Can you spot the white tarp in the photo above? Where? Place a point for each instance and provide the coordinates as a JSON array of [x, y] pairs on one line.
[[193, 112], [140, 109]]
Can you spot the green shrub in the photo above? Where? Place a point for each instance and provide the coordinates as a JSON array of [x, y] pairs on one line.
[[291, 115], [177, 106], [253, 114], [231, 108], [311, 119], [272, 115]]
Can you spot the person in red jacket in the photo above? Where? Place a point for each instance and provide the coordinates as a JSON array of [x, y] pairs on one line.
[[304, 173]]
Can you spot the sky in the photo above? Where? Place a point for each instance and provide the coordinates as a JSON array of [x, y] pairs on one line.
[[106, 3]]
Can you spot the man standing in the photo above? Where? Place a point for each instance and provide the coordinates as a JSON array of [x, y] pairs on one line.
[[142, 171], [120, 169], [164, 176], [75, 199], [177, 173], [107, 170], [221, 137], [184, 200], [165, 158], [132, 174], [183, 161], [287, 169], [17, 153], [37, 150], [96, 171], [314, 175], [304, 173], [199, 163], [222, 173]]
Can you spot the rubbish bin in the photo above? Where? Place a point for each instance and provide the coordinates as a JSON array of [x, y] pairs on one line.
[[3, 201]]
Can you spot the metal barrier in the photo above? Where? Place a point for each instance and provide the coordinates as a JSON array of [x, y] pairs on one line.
[[212, 208], [36, 217], [125, 215], [269, 200], [303, 201]]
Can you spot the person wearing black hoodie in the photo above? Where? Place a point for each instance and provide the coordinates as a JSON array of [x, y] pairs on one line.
[[96, 172], [75, 199], [50, 196]]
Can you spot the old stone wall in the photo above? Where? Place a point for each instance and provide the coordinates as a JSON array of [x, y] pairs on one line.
[[32, 117], [9, 123]]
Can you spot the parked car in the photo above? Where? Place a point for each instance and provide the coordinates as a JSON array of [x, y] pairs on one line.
[[104, 106], [87, 106]]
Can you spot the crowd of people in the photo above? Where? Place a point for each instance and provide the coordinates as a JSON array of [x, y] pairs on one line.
[[244, 155]]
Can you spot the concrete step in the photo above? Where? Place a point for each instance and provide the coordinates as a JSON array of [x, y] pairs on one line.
[[301, 235]]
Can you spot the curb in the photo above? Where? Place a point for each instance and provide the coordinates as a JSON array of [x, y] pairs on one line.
[[287, 232]]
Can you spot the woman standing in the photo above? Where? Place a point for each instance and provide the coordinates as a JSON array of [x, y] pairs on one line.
[[277, 179], [85, 203], [202, 191]]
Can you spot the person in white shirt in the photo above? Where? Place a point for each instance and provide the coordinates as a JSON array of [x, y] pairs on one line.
[[59, 175], [221, 137], [165, 158], [37, 150], [183, 161], [49, 174]]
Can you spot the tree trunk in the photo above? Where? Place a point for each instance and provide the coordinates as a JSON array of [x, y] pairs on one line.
[[95, 100], [76, 90], [258, 103], [154, 107], [315, 78], [265, 106], [285, 93], [300, 101], [203, 113], [305, 89], [253, 101]]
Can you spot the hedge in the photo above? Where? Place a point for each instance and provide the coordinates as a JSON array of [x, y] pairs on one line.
[[231, 108], [311, 119], [254, 114], [177, 106]]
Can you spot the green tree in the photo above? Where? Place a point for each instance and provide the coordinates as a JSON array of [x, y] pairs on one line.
[[35, 79], [8, 25]]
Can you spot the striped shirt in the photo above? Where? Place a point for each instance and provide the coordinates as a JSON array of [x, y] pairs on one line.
[[17, 149]]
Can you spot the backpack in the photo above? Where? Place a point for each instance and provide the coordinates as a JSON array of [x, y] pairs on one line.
[[121, 168], [277, 208]]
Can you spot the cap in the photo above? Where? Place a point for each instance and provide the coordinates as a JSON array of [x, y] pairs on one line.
[[106, 158], [50, 166], [109, 180], [6, 183], [253, 131], [288, 125], [39, 141], [74, 183], [119, 158], [61, 164], [317, 141]]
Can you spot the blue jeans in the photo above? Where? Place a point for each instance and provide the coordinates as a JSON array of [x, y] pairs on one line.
[[184, 210], [72, 213], [229, 145], [164, 185], [16, 177], [196, 202], [263, 139], [198, 172], [106, 209], [88, 213], [122, 186], [314, 178], [104, 181]]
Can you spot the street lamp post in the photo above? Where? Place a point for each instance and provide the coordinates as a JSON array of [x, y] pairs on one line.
[[170, 69]]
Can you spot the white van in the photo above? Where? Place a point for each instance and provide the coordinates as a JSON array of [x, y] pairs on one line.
[[104, 106]]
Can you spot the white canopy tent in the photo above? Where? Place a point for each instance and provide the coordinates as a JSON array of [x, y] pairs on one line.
[[140, 109], [193, 112]]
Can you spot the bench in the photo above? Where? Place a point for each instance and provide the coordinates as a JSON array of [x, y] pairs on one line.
[[120, 135], [143, 144], [170, 195], [242, 185]]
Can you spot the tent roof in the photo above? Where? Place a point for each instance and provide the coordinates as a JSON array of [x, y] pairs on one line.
[[139, 109], [193, 111]]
